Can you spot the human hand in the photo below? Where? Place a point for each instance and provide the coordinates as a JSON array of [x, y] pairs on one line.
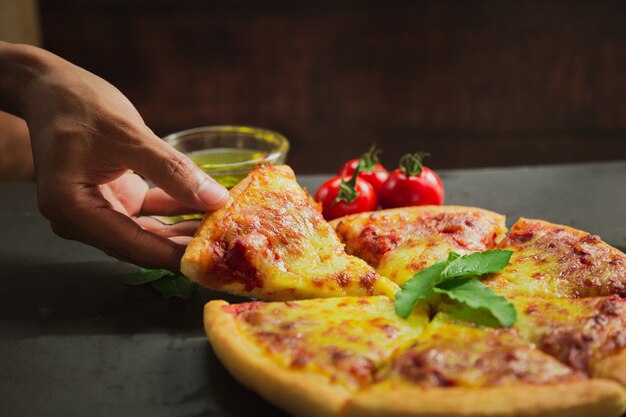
[[87, 139]]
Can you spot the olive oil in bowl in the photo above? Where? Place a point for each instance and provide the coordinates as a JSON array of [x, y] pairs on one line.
[[228, 153], [218, 163]]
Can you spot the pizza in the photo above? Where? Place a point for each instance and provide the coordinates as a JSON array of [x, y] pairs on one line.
[[545, 253], [354, 356], [586, 334], [271, 242], [400, 242], [456, 369], [341, 350], [310, 356]]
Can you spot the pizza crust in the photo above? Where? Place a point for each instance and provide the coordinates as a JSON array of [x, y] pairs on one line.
[[423, 210], [578, 399], [305, 394], [300, 394], [612, 367]]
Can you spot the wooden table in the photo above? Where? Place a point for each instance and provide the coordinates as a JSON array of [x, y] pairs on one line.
[[75, 341]]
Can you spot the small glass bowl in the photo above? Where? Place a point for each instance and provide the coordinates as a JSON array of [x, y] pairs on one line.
[[228, 153]]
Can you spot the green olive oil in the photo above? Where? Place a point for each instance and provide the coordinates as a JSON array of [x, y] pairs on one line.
[[212, 161]]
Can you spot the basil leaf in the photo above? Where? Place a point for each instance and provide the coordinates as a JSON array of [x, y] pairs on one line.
[[175, 285], [462, 312], [143, 276], [417, 288], [479, 263], [474, 294], [452, 256]]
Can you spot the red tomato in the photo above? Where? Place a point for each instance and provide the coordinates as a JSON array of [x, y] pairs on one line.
[[340, 197], [377, 176], [412, 185], [370, 168]]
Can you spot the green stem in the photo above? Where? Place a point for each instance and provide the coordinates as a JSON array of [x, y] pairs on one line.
[[369, 159], [347, 189], [411, 163]]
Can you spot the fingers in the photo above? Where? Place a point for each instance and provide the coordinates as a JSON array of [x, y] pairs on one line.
[[126, 193], [181, 240], [120, 236], [83, 214], [185, 228], [159, 202], [177, 175], [129, 194]]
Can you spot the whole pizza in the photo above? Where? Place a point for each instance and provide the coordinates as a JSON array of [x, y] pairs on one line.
[[402, 312]]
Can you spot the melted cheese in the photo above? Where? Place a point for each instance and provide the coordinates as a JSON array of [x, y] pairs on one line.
[[456, 353], [346, 339], [551, 260], [400, 242], [578, 332], [272, 242]]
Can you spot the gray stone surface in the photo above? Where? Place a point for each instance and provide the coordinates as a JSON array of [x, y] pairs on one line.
[[75, 341]]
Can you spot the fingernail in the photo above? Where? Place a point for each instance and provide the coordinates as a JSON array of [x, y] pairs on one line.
[[213, 194]]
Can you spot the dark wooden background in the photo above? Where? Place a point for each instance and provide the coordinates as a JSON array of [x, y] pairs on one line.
[[475, 83]]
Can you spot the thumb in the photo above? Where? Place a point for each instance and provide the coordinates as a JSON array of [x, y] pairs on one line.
[[178, 176]]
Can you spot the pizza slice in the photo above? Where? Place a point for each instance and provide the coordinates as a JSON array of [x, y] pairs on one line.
[[308, 357], [459, 369], [271, 242], [552, 260], [399, 242], [587, 334]]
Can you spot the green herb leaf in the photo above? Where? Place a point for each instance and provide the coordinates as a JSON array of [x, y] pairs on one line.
[[417, 288], [475, 295], [462, 312], [472, 300], [166, 282], [175, 285], [143, 276], [479, 263], [452, 256]]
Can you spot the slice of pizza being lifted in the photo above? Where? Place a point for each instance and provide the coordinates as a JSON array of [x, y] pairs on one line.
[[271, 242], [551, 260], [399, 242]]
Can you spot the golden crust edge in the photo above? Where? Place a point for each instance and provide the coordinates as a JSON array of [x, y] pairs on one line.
[[569, 229], [427, 208], [546, 223], [301, 394], [612, 367], [576, 399], [190, 262]]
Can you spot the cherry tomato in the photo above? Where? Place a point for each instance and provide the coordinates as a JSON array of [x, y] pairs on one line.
[[412, 185], [340, 197], [370, 168], [377, 176]]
